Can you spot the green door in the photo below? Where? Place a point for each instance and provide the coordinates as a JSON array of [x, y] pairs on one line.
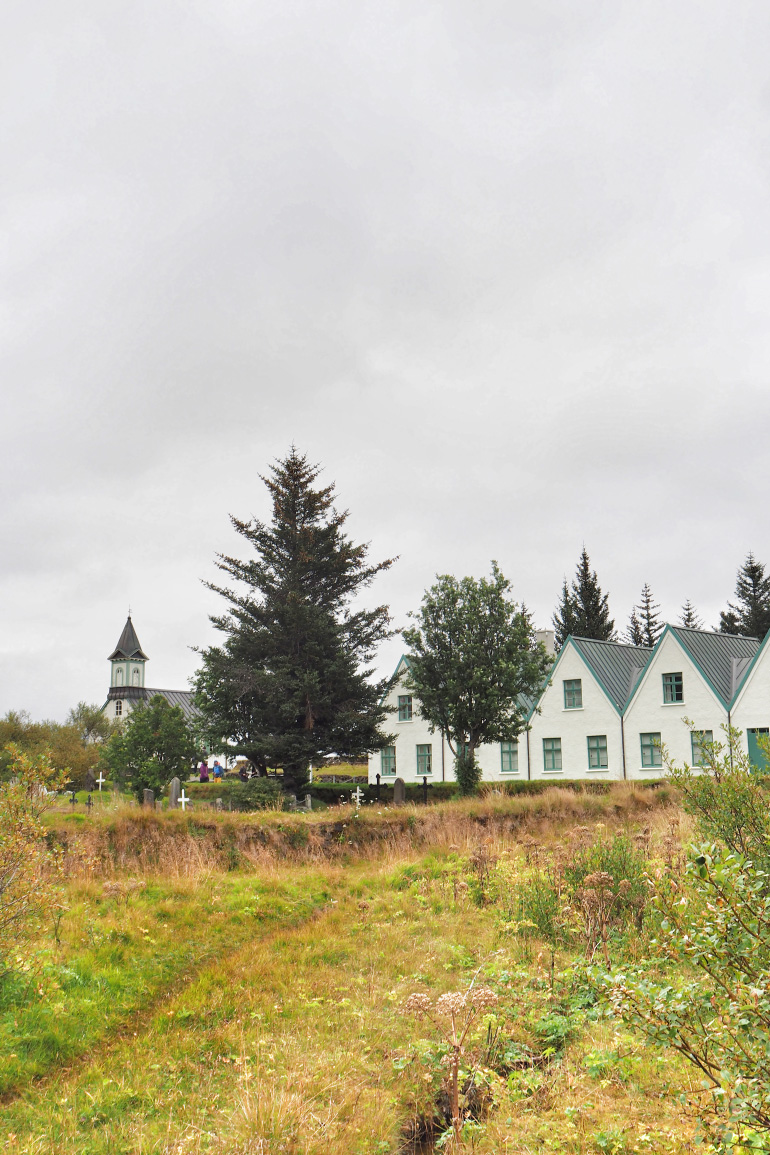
[[757, 758]]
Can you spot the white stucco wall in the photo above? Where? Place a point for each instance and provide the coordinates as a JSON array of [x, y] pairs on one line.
[[752, 704], [597, 716], [647, 712], [418, 732]]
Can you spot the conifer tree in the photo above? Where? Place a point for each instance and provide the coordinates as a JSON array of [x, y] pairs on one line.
[[565, 617], [583, 610], [648, 618], [634, 631], [290, 682], [751, 615], [689, 617]]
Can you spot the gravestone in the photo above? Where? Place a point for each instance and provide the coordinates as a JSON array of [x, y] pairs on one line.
[[308, 802], [174, 790], [149, 798], [90, 783], [399, 792], [219, 803]]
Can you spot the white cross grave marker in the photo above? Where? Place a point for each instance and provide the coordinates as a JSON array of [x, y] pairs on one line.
[[101, 780], [183, 799], [358, 797]]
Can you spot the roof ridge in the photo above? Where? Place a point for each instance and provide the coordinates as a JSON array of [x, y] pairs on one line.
[[713, 633], [620, 645]]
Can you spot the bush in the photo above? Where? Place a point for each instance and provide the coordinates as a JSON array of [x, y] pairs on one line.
[[618, 857], [256, 794]]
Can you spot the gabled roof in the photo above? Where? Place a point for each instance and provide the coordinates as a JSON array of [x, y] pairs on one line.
[[616, 666], [722, 659], [128, 645]]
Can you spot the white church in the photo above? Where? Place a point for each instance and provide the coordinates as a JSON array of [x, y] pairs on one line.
[[604, 711], [127, 662]]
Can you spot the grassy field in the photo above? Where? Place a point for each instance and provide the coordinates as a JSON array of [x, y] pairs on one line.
[[261, 1008]]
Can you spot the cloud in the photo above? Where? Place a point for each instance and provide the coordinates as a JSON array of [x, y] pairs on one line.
[[502, 268]]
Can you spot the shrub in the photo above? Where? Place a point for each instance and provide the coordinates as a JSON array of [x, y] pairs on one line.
[[26, 863], [256, 794]]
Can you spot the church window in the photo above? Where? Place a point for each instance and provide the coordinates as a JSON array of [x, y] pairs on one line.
[[118, 709], [135, 678], [119, 676]]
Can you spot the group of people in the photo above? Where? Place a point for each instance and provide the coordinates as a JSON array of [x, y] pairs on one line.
[[216, 771]]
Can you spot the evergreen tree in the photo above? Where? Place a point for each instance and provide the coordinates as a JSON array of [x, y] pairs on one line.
[[751, 615], [689, 617], [634, 631], [583, 610], [648, 618], [565, 617], [289, 684]]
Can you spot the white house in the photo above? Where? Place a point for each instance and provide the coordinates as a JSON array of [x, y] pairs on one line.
[[692, 675], [577, 730], [605, 711], [750, 706], [421, 752]]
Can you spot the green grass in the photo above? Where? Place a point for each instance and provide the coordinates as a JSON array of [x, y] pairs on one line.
[[261, 1013]]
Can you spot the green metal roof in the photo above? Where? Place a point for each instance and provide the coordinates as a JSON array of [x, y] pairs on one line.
[[616, 667], [722, 659]]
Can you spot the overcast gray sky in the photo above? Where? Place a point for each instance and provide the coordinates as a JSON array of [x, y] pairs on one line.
[[502, 267]]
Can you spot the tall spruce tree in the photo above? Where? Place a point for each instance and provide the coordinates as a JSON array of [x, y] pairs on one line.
[[750, 615], [583, 609], [689, 617], [634, 632], [648, 618], [290, 682]]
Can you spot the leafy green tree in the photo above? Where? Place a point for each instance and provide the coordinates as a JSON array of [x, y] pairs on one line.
[[715, 927], [473, 662], [291, 683], [28, 868], [64, 745], [583, 610], [647, 618], [689, 617], [154, 745], [90, 722], [750, 615]]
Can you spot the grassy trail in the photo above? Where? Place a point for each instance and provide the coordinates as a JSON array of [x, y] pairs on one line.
[[119, 962], [294, 1042]]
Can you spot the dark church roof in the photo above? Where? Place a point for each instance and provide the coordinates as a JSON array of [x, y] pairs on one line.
[[182, 698], [128, 646]]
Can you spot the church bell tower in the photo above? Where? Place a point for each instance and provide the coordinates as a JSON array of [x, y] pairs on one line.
[[127, 671]]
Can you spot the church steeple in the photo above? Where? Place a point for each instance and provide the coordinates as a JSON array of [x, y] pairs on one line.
[[128, 659]]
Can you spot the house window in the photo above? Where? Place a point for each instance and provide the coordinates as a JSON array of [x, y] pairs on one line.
[[699, 739], [424, 760], [673, 688], [118, 709], [597, 752], [509, 757], [404, 707], [388, 760], [651, 751], [573, 694], [552, 753]]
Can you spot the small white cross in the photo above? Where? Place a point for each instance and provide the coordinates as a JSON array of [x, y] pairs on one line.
[[358, 797], [101, 779], [183, 799]]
